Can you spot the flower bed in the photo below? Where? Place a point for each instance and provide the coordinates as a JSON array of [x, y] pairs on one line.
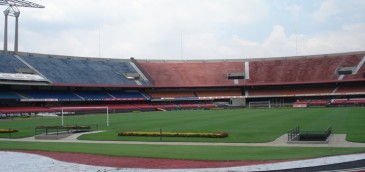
[[8, 130], [174, 134]]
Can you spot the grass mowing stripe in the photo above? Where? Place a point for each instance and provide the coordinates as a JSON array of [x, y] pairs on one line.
[[183, 152], [243, 125]]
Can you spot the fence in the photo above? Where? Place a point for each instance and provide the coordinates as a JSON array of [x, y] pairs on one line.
[[296, 135], [66, 129]]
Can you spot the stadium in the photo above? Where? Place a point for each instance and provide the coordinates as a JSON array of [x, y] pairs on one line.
[[200, 115]]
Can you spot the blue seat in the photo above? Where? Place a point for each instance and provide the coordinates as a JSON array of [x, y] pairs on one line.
[[122, 94], [96, 95], [8, 95], [86, 71], [45, 94], [9, 63]]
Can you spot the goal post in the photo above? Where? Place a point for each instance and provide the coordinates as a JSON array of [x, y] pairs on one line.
[[259, 104], [66, 109]]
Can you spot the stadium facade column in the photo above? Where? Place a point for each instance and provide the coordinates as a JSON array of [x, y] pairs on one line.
[[6, 13]]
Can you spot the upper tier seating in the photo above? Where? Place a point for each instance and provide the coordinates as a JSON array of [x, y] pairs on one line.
[[300, 70], [191, 73], [9, 63], [82, 71], [308, 69]]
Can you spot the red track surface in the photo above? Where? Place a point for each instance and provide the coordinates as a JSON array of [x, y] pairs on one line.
[[147, 163]]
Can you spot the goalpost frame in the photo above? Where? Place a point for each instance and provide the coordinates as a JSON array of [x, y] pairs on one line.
[[260, 102], [99, 107]]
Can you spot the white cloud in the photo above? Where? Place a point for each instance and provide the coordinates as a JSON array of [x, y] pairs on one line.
[[349, 38], [327, 9], [340, 10], [140, 28], [280, 44], [152, 29]]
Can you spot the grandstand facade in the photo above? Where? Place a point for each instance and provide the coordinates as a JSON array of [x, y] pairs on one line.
[[39, 83]]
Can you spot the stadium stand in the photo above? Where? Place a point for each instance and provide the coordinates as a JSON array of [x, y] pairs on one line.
[[8, 95], [72, 95], [348, 101], [308, 103], [191, 73], [358, 88], [24, 109], [10, 64], [82, 71], [130, 84], [45, 94], [290, 91], [219, 93], [170, 94], [93, 95], [132, 95], [309, 69]]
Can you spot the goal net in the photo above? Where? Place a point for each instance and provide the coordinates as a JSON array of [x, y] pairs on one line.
[[259, 104], [64, 110]]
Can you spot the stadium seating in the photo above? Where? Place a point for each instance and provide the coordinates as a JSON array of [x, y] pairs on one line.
[[219, 93], [8, 95], [45, 94], [9, 63], [356, 88], [97, 95], [312, 103], [127, 95], [171, 94], [352, 101], [191, 73], [72, 95], [104, 82], [290, 91], [301, 69], [307, 69], [84, 71], [24, 109]]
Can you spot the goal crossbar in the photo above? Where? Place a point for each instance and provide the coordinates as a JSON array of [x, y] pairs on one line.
[[259, 104], [65, 109]]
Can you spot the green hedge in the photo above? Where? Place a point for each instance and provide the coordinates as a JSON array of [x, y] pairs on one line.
[[174, 134]]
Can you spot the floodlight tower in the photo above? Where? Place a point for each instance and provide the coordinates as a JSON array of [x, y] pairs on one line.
[[13, 10]]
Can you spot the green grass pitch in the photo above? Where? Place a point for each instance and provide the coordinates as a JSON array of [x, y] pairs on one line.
[[242, 125]]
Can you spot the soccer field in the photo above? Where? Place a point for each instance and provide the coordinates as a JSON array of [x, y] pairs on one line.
[[242, 125]]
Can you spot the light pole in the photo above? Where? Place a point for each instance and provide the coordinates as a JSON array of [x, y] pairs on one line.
[[13, 10]]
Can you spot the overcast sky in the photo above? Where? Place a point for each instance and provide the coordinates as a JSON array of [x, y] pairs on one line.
[[190, 29]]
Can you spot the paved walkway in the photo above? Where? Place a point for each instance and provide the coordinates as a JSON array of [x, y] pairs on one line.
[[335, 140]]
